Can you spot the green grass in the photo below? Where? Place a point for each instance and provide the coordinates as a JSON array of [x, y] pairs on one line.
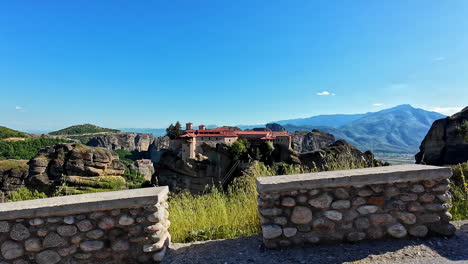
[[23, 194], [6, 132], [459, 190], [14, 165], [220, 215]]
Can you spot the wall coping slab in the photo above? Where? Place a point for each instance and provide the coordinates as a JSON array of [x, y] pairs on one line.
[[354, 177], [76, 204]]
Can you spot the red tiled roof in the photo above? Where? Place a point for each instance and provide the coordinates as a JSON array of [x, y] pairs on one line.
[[226, 132]]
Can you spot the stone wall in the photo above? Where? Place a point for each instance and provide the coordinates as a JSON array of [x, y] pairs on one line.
[[112, 227], [353, 205]]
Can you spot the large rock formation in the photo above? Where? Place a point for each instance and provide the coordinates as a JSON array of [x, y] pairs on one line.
[[305, 141], [446, 143], [12, 175], [145, 167], [340, 155], [161, 145], [128, 141], [275, 127], [209, 168], [72, 160]]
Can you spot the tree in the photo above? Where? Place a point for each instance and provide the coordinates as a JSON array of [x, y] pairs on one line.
[[174, 132]]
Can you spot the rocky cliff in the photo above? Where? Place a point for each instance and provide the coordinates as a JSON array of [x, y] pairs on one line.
[[72, 160], [208, 169], [305, 141], [446, 143], [340, 155], [128, 141], [275, 127], [12, 175]]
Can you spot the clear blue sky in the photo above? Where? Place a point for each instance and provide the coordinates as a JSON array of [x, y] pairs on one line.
[[148, 63]]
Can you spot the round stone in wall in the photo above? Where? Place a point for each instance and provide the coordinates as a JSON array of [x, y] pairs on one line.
[[341, 193], [11, 249], [321, 202], [95, 234], [4, 227], [271, 231], [417, 188], [288, 202], [84, 225], [106, 223], [19, 232], [33, 244], [418, 231], [289, 231], [69, 220], [397, 230], [341, 204], [367, 209], [67, 230], [88, 246], [301, 215], [126, 220], [53, 240], [48, 257], [333, 215]]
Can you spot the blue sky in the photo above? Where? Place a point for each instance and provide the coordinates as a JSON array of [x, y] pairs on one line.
[[149, 63]]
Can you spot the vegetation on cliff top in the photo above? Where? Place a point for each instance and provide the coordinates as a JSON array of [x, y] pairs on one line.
[[6, 132], [174, 131], [83, 129], [26, 149]]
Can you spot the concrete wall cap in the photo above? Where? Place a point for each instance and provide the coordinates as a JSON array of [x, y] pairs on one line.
[[82, 203], [377, 175]]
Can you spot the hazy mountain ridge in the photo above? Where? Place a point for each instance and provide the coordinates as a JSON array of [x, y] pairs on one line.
[[399, 129]]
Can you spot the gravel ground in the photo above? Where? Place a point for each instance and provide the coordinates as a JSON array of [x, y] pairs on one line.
[[250, 250]]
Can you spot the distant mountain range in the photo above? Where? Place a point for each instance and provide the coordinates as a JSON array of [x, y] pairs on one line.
[[399, 129]]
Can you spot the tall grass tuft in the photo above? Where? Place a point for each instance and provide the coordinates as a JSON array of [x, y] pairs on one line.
[[229, 214]]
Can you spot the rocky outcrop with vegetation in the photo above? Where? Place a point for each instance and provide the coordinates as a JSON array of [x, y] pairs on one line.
[[305, 141], [340, 154], [12, 175], [446, 143], [52, 163]]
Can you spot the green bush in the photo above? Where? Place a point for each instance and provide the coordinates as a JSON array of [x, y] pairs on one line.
[[26, 149], [23, 194], [126, 156], [134, 179]]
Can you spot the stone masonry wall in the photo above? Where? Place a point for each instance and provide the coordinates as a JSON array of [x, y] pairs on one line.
[[353, 205], [115, 227]]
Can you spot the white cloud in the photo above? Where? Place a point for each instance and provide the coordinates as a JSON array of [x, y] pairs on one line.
[[325, 93], [377, 104], [439, 59], [20, 109], [447, 110]]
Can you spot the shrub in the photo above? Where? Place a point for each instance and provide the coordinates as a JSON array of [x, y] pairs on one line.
[[135, 179], [23, 194], [26, 149]]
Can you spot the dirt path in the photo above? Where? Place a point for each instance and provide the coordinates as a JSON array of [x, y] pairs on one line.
[[250, 250]]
